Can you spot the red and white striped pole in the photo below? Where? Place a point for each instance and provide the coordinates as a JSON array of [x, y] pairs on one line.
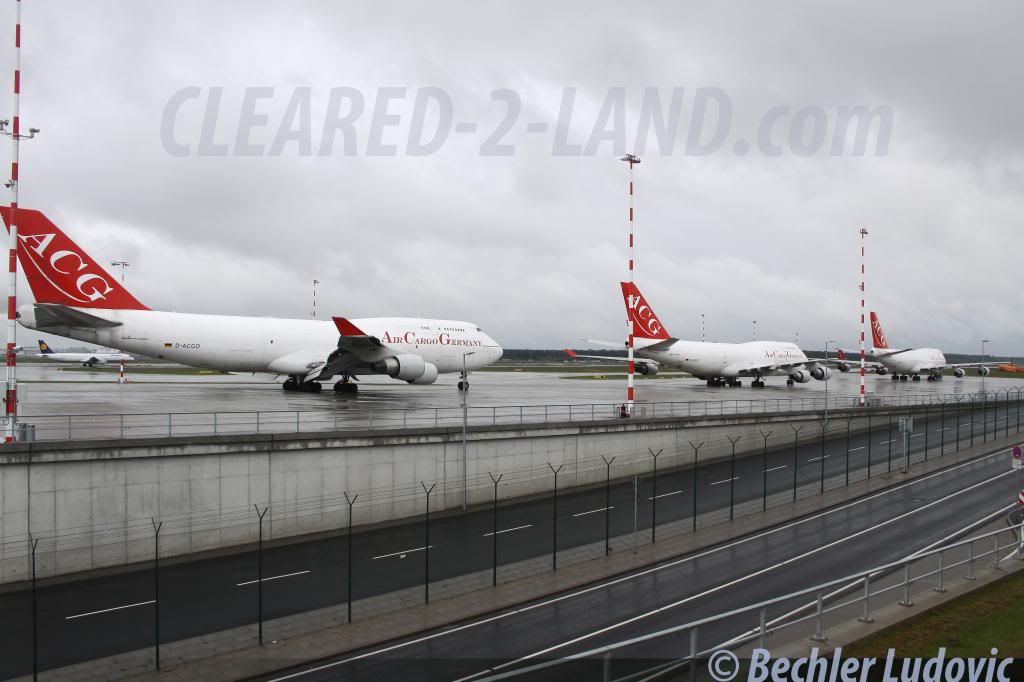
[[120, 374], [863, 234], [11, 397], [632, 161]]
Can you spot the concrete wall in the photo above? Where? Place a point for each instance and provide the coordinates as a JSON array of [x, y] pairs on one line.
[[92, 504]]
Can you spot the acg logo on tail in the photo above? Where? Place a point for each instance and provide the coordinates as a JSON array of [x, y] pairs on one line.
[[59, 272], [877, 335], [88, 284], [645, 323]]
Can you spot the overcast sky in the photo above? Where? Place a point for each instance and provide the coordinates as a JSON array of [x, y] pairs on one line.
[[531, 245]]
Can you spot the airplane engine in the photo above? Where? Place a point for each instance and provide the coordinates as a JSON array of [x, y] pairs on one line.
[[429, 375], [984, 371], [843, 367], [959, 372], [644, 368], [800, 376], [821, 373], [26, 315], [881, 371], [405, 367]]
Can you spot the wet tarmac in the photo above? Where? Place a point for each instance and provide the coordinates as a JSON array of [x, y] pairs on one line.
[[51, 390]]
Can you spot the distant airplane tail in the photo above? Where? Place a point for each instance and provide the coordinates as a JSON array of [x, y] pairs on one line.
[[60, 272], [877, 335], [646, 324], [841, 354], [44, 348]]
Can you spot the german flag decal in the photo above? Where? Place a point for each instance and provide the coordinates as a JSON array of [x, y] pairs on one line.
[[167, 345]]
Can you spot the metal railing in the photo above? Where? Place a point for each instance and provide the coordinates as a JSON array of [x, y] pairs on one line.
[[147, 425], [824, 598]]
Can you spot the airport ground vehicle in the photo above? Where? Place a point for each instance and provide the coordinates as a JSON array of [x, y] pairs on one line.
[[76, 298]]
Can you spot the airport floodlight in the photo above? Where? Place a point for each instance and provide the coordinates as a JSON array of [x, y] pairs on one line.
[[631, 159]]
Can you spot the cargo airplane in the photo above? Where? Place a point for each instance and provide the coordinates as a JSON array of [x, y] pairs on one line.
[[904, 363], [719, 364], [77, 299], [101, 357]]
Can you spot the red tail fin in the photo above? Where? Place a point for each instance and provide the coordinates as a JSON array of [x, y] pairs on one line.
[[841, 354], [877, 335], [58, 271], [646, 325]]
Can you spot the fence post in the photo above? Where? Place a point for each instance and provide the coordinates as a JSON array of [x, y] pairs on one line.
[[971, 396], [995, 553], [942, 429], [824, 426], [906, 586], [957, 423], [970, 561], [890, 443], [696, 449], [494, 528], [942, 570], [693, 654], [866, 617], [926, 432], [762, 627], [764, 470], [156, 588], [818, 635], [796, 446], [348, 573], [426, 543], [869, 446], [848, 421], [654, 493], [732, 474], [554, 518], [35, 613], [607, 504], [259, 572]]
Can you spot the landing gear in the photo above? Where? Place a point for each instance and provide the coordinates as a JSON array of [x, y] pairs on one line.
[[895, 377], [757, 383], [790, 383], [346, 386], [293, 384], [903, 377], [463, 384], [917, 377], [735, 383]]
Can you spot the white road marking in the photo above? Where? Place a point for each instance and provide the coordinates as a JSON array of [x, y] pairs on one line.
[[885, 442], [402, 553], [731, 583], [509, 530], [728, 480], [815, 459], [275, 577], [113, 608], [594, 511], [674, 492], [631, 576], [775, 468]]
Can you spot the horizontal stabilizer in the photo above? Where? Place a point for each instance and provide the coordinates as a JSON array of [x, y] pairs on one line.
[[56, 315]]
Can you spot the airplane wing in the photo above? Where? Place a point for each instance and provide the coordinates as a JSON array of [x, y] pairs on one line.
[[613, 358], [356, 349], [971, 364]]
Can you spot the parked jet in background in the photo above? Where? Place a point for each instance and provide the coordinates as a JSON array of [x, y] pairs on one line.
[[719, 364], [76, 298], [911, 363], [100, 357]]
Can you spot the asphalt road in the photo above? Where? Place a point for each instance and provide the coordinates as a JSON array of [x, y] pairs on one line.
[[102, 616], [885, 527]]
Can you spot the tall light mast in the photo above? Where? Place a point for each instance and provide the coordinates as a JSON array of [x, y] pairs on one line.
[[11, 394], [863, 234], [632, 161]]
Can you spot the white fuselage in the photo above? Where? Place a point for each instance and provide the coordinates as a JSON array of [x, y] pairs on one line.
[[917, 361], [278, 346], [728, 360]]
